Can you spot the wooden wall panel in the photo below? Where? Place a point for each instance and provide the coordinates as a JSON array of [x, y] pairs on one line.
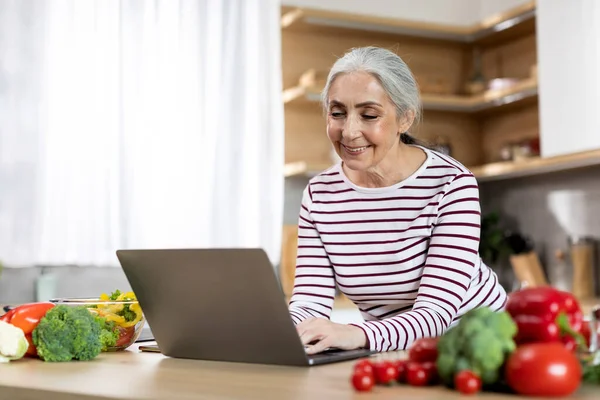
[[514, 126], [461, 130], [437, 66], [512, 59], [305, 134], [287, 267], [431, 61], [441, 66]]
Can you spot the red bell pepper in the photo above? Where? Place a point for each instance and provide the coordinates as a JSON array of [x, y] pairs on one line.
[[27, 317], [546, 314], [7, 316]]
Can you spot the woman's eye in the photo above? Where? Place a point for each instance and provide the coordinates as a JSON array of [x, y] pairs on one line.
[[337, 114], [369, 116]]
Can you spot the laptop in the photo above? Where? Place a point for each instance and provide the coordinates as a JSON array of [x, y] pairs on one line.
[[219, 305]]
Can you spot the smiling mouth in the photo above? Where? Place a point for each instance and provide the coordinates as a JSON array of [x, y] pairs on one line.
[[355, 150]]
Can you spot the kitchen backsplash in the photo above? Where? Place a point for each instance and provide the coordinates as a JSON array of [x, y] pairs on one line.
[[549, 208]]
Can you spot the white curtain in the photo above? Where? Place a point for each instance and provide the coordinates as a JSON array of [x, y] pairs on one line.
[[138, 124]]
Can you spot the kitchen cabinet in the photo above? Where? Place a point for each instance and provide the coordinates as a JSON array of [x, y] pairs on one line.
[[568, 42], [475, 118]]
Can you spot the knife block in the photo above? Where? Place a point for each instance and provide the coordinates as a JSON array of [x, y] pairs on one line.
[[528, 269]]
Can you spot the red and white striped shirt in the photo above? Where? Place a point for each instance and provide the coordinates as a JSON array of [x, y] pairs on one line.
[[406, 255]]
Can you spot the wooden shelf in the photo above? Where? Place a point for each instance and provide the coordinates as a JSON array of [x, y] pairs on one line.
[[517, 21], [524, 90], [308, 92], [489, 172], [536, 166]]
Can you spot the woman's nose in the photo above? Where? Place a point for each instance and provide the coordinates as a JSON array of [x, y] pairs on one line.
[[351, 128]]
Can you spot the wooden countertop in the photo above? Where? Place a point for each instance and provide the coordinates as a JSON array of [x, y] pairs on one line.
[[134, 375]]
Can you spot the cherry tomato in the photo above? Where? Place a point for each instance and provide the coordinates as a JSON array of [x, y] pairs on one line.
[[27, 316], [467, 382], [362, 382], [365, 366], [431, 371], [424, 349], [385, 372], [400, 366], [416, 374], [125, 336], [543, 369]]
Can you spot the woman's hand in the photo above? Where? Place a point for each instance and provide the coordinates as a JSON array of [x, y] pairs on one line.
[[319, 334]]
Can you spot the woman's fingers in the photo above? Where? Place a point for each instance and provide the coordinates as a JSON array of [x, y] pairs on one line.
[[310, 335], [318, 347]]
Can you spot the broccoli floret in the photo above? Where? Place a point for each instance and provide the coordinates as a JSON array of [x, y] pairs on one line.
[[115, 295], [67, 333], [127, 313], [109, 333], [480, 342]]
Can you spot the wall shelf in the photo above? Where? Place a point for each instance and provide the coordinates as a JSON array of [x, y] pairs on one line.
[[307, 91], [488, 172], [522, 91], [515, 22], [536, 166]]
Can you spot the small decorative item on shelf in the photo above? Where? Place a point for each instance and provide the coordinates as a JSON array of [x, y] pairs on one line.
[[476, 83], [519, 151], [502, 83], [506, 153], [526, 149], [582, 251], [525, 261]]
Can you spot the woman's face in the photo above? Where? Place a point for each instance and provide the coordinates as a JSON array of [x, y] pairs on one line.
[[361, 121]]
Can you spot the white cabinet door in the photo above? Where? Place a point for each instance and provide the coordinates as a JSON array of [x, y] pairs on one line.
[[568, 42]]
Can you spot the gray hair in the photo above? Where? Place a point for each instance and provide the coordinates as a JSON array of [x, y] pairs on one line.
[[388, 68]]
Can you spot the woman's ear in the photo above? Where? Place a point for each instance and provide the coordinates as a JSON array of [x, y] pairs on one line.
[[406, 121]]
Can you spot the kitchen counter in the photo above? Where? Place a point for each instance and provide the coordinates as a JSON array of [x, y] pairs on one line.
[[134, 375]]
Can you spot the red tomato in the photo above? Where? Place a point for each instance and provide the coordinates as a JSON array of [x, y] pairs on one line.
[[365, 366], [467, 382], [417, 374], [385, 372], [27, 316], [543, 369], [400, 366], [424, 349], [362, 382], [431, 371], [125, 336]]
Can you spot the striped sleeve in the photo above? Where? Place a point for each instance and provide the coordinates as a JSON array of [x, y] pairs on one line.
[[314, 283], [450, 265]]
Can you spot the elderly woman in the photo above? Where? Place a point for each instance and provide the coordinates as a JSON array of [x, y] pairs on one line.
[[394, 225]]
